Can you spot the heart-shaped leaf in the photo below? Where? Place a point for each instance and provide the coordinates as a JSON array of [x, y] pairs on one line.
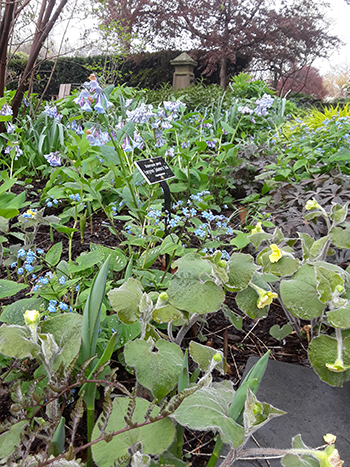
[[280, 333], [158, 370]]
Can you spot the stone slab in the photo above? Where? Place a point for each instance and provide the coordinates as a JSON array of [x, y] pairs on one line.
[[313, 409]]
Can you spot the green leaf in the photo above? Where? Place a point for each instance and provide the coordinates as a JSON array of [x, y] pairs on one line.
[[64, 229], [85, 261], [58, 439], [240, 241], [165, 313], [285, 266], [157, 371], [257, 414], [299, 294], [322, 350], [234, 319], [191, 288], [247, 299], [339, 213], [327, 281], [316, 251], [206, 410], [257, 238], [241, 269], [280, 333], [341, 237], [203, 355], [54, 254], [125, 300], [9, 288], [306, 241], [13, 314], [125, 332], [10, 439], [92, 312], [154, 437], [340, 318], [15, 342], [66, 330], [109, 154], [9, 213]]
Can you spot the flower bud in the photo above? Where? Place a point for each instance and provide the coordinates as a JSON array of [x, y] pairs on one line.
[[312, 204], [163, 296], [217, 358], [340, 288], [222, 263]]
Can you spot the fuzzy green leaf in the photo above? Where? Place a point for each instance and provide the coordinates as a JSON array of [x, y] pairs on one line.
[[125, 300], [206, 410], [203, 355], [155, 437], [299, 294], [241, 269], [9, 288], [15, 342], [158, 370], [322, 350]]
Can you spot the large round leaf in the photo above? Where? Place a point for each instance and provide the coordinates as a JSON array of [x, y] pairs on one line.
[[158, 370], [241, 269], [322, 350], [299, 294], [155, 437]]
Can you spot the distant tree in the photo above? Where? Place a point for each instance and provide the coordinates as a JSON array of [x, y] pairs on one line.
[[227, 28], [306, 80]]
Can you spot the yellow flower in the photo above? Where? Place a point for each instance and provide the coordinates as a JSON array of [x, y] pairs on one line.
[[265, 298], [312, 204], [276, 254], [31, 318], [338, 366], [257, 228]]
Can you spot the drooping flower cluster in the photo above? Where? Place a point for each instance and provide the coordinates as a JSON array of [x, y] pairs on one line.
[[93, 94], [17, 150], [54, 158], [52, 112], [6, 110]]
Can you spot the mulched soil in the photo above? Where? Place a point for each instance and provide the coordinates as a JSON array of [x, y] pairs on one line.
[[253, 339]]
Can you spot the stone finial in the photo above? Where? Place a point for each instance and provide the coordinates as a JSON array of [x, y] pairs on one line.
[[183, 75]]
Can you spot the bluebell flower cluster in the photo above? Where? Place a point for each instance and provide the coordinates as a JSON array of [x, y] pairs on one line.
[[10, 128], [52, 112], [54, 158], [16, 148], [6, 110], [76, 127], [93, 94]]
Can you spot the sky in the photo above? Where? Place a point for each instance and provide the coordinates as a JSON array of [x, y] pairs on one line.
[[340, 13]]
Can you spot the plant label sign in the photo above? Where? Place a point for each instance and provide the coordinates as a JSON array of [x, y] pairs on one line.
[[154, 170]]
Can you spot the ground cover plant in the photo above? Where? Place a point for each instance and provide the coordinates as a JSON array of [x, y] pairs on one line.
[[101, 337]]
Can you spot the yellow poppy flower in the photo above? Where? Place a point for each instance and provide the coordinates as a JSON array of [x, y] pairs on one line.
[[257, 228], [312, 204], [265, 298], [338, 366], [276, 254]]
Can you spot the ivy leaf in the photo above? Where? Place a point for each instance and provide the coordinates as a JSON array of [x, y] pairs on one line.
[[206, 410], [158, 370]]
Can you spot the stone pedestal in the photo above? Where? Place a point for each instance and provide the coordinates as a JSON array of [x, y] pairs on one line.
[[183, 75]]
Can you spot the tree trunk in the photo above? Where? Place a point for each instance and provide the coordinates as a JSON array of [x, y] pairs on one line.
[[5, 29], [44, 26], [223, 72]]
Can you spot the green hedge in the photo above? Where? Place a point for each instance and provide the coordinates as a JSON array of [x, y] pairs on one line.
[[146, 70]]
